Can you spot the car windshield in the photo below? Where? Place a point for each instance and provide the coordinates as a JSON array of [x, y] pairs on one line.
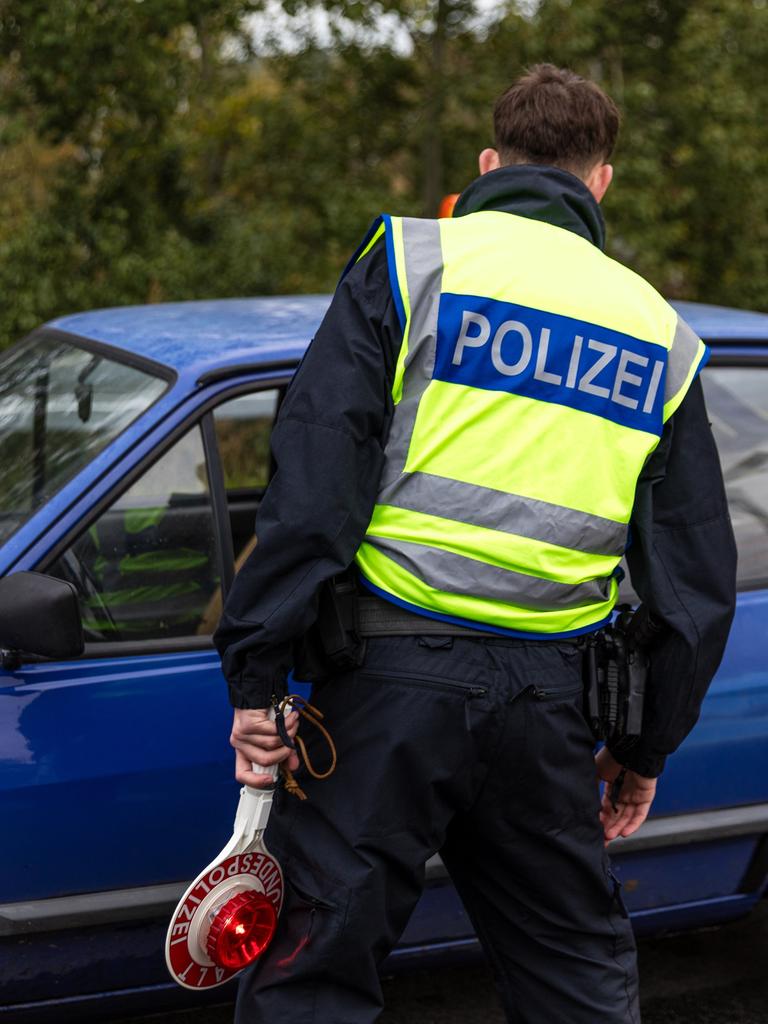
[[60, 405]]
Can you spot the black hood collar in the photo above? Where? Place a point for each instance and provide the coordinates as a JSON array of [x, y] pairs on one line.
[[539, 192]]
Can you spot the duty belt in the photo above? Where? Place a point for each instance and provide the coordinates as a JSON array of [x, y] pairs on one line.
[[376, 617]]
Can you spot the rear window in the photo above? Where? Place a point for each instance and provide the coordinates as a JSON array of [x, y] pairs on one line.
[[60, 405]]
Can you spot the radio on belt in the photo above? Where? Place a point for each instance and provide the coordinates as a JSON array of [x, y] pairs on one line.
[[228, 915]]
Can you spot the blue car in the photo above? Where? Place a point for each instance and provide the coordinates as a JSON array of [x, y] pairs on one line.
[[135, 451]]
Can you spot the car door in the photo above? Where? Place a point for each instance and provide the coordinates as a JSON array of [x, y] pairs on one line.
[[704, 854], [116, 772]]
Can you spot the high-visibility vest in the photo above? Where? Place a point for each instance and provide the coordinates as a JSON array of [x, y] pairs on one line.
[[534, 380]]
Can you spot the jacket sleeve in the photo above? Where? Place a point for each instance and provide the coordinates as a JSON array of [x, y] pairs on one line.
[[327, 446], [682, 561]]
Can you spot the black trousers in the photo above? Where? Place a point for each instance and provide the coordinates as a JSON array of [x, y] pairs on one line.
[[476, 748]]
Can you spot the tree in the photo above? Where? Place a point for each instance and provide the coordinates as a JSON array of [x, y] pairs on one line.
[[158, 150], [438, 34], [100, 86], [688, 207]]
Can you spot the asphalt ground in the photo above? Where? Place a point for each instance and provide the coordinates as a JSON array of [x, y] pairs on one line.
[[714, 976]]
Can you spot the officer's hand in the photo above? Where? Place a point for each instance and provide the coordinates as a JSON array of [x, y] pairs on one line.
[[633, 801], [256, 742]]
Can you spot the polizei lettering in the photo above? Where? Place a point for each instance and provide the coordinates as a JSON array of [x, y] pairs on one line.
[[500, 346]]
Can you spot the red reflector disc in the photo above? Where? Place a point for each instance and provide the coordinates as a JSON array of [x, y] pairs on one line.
[[241, 930]]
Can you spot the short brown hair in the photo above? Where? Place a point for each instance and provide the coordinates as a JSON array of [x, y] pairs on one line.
[[553, 116]]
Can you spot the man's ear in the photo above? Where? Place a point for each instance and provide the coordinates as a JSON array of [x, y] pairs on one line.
[[598, 180], [488, 161]]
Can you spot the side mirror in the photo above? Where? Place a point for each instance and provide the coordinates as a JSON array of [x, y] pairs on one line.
[[38, 615]]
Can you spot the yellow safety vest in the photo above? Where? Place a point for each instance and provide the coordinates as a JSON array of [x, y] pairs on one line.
[[533, 382]]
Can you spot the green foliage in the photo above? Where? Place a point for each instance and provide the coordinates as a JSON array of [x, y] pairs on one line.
[[690, 201], [156, 149]]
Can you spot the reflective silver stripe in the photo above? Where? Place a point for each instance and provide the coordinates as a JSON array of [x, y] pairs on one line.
[[682, 355], [424, 273], [509, 513], [458, 574]]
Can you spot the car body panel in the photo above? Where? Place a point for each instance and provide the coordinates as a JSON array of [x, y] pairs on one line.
[[723, 761], [122, 790]]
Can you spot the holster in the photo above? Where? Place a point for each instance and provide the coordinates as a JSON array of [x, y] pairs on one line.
[[616, 673]]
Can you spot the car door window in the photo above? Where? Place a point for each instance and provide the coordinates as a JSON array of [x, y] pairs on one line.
[[737, 403], [147, 568], [243, 426]]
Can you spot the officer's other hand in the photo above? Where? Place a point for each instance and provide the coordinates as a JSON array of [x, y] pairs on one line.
[[256, 742], [633, 801]]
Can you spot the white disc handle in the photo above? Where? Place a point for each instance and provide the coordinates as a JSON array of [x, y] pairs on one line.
[[255, 804]]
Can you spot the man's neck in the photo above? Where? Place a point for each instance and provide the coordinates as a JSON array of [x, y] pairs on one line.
[[542, 193]]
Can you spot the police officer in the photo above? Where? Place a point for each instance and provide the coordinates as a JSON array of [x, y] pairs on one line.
[[491, 414]]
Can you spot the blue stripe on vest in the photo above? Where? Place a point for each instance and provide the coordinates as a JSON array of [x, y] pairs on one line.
[[501, 346], [392, 267], [356, 254]]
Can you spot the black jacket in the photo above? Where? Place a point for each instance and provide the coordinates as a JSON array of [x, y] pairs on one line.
[[328, 450]]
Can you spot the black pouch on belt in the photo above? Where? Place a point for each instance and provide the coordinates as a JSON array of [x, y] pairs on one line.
[[333, 643]]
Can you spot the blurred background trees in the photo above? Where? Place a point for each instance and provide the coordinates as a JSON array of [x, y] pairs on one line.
[[155, 150]]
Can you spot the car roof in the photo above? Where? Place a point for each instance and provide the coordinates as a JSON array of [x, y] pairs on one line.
[[203, 337], [723, 323]]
